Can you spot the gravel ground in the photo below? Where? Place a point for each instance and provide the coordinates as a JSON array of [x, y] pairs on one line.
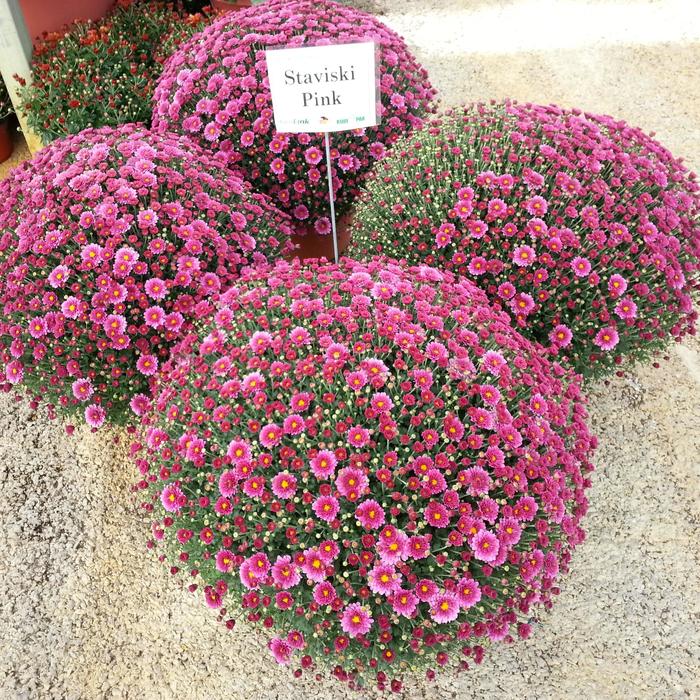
[[86, 613]]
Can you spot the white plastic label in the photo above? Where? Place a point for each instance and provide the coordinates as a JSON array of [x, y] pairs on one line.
[[323, 88]]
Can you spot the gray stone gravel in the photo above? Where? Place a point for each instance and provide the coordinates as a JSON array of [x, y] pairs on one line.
[[86, 612]]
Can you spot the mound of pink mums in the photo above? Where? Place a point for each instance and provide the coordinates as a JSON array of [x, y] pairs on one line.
[[215, 89], [585, 230], [369, 460], [114, 242]]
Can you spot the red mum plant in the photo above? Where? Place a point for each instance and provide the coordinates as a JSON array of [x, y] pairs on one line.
[[585, 230], [94, 74], [370, 461], [112, 243], [215, 89]]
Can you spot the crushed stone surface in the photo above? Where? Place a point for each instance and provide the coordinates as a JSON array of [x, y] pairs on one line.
[[87, 612]]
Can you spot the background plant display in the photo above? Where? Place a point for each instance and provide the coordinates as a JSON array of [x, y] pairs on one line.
[[370, 461], [585, 230], [94, 74], [112, 243], [214, 89]]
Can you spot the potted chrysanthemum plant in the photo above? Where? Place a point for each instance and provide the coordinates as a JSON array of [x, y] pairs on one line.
[[372, 462], [215, 90], [114, 243], [584, 229]]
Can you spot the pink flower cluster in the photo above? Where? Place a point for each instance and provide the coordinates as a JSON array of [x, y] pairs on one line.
[[585, 230], [215, 89], [369, 460], [114, 241]]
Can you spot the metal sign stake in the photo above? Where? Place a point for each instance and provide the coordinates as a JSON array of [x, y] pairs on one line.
[[331, 196]]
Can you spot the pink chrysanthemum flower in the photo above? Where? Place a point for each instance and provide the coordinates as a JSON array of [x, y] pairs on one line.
[[323, 226], [154, 316], [477, 265], [284, 485], [522, 304], [477, 480], [285, 573], [301, 402], [296, 640], [71, 307], [239, 451], [356, 620], [228, 483], [37, 327], [314, 567], [95, 415], [617, 285], [254, 486], [506, 290], [313, 155], [493, 362], [524, 256], [370, 514], [356, 380], [497, 208], [394, 550], [358, 436], [223, 506], [626, 308], [437, 515], [418, 547], [224, 561], [270, 435], [140, 404], [156, 288], [381, 403], [260, 341], [324, 593], [172, 498], [328, 550], [351, 482], [284, 600], [509, 531], [299, 336], [444, 608], [147, 365], [581, 266], [468, 592], [280, 650], [404, 602], [82, 389], [323, 465], [426, 590], [293, 425], [212, 597], [561, 336], [525, 509], [383, 579], [326, 508], [59, 276], [485, 545], [607, 338], [147, 218]]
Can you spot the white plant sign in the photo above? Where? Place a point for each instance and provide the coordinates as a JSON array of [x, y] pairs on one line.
[[323, 88]]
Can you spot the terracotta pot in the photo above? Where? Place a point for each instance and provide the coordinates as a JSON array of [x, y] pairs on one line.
[[311, 244], [230, 5], [6, 143]]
